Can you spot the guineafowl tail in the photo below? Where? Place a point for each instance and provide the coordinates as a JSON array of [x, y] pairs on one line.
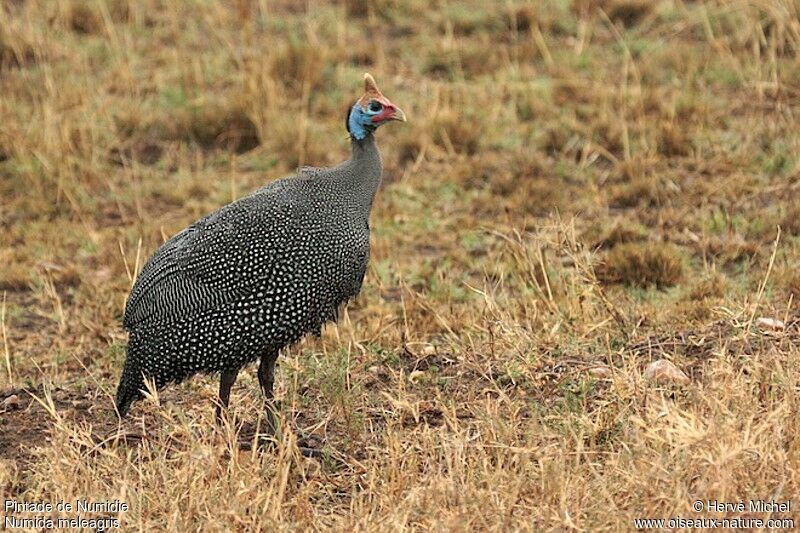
[[130, 385]]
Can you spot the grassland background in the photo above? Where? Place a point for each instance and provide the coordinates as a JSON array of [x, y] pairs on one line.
[[583, 188]]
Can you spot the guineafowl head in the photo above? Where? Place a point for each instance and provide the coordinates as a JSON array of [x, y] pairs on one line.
[[370, 111]]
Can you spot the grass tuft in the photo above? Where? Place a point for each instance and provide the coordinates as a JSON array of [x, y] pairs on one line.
[[613, 233], [642, 265], [457, 133], [639, 191]]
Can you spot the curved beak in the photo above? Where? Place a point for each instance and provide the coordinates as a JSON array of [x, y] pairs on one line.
[[398, 115]]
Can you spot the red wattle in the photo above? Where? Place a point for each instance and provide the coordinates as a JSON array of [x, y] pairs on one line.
[[388, 111]]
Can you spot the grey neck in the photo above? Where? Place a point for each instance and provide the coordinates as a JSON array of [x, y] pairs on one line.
[[363, 173]]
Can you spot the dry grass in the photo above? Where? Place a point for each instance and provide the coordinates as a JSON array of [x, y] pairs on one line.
[[642, 265], [582, 188]]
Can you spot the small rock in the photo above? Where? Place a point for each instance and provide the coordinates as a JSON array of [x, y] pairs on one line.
[[770, 323], [12, 402], [102, 274], [47, 265], [415, 375], [600, 372], [428, 349], [665, 372]]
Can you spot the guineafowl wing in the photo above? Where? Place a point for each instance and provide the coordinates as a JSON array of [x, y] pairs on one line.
[[217, 260]]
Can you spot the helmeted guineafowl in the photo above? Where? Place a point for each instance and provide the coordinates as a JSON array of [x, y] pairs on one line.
[[258, 274]]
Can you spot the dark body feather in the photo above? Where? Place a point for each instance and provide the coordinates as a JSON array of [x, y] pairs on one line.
[[252, 277]]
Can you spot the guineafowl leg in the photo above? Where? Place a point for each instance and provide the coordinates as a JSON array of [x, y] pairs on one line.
[[266, 378], [226, 380]]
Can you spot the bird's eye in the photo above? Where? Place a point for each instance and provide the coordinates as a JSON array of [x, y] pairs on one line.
[[375, 106]]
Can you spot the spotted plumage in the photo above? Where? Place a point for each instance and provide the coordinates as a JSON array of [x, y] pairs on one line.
[[258, 274]]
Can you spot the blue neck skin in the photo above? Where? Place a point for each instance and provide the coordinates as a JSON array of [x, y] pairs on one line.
[[360, 123]]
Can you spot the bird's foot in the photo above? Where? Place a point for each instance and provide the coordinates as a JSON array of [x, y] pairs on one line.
[[307, 446], [267, 440], [310, 446]]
